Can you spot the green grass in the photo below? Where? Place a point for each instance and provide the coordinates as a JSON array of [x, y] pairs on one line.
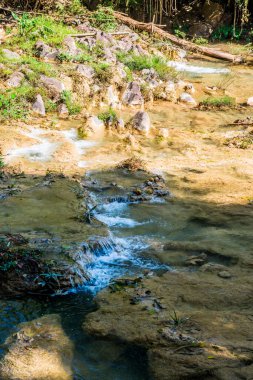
[[103, 71], [140, 62], [73, 107], [104, 19], [15, 103], [80, 58], [39, 28], [224, 101], [108, 116], [1, 162]]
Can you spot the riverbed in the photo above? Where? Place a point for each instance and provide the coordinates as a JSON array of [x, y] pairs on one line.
[[208, 209]]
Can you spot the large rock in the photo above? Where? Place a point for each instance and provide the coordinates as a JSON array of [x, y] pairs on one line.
[[15, 79], [86, 71], [53, 85], [201, 29], [132, 96], [141, 122], [40, 350], [250, 101], [63, 111], [187, 99], [39, 107], [70, 44], [10, 54], [45, 51]]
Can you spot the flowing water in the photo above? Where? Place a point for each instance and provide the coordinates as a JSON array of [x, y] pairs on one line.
[[133, 246]]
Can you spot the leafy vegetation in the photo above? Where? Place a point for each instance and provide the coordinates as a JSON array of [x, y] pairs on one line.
[[224, 101], [104, 19], [108, 116], [140, 62], [14, 103], [73, 107]]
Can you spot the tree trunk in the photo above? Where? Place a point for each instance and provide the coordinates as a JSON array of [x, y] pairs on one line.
[[187, 45]]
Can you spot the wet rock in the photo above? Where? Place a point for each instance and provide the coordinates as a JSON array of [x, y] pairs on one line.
[[95, 126], [197, 260], [10, 54], [213, 268], [15, 79], [86, 71], [187, 99], [63, 111], [39, 107], [39, 350], [45, 51], [132, 96], [189, 88], [140, 123], [224, 274], [53, 85], [250, 102], [154, 187]]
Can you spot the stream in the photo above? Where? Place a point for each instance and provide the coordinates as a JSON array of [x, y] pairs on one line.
[[137, 233]]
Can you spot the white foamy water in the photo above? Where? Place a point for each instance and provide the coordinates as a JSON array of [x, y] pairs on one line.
[[42, 151], [80, 145], [118, 221], [183, 66]]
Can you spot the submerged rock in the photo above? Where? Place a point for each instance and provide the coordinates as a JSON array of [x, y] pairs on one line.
[[39, 350]]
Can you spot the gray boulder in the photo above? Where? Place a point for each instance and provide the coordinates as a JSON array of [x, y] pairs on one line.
[[15, 79], [70, 44], [53, 85], [10, 54], [39, 107], [187, 99], [141, 122], [45, 51], [86, 71], [63, 111], [132, 96]]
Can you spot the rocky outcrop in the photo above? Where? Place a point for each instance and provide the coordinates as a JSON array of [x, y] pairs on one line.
[[45, 51], [40, 349], [11, 54], [39, 107], [15, 79], [140, 123], [132, 95], [54, 86]]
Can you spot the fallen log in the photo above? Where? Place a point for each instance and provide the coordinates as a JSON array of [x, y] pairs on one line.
[[187, 45]]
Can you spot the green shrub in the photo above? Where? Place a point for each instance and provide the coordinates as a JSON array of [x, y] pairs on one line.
[[140, 62], [108, 116], [224, 101], [103, 71], [104, 19], [73, 108], [15, 103]]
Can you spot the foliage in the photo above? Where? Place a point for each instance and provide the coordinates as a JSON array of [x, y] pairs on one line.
[[14, 103], [140, 62], [108, 116], [103, 71], [200, 41], [67, 98], [212, 101], [80, 58], [104, 19], [1, 162]]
